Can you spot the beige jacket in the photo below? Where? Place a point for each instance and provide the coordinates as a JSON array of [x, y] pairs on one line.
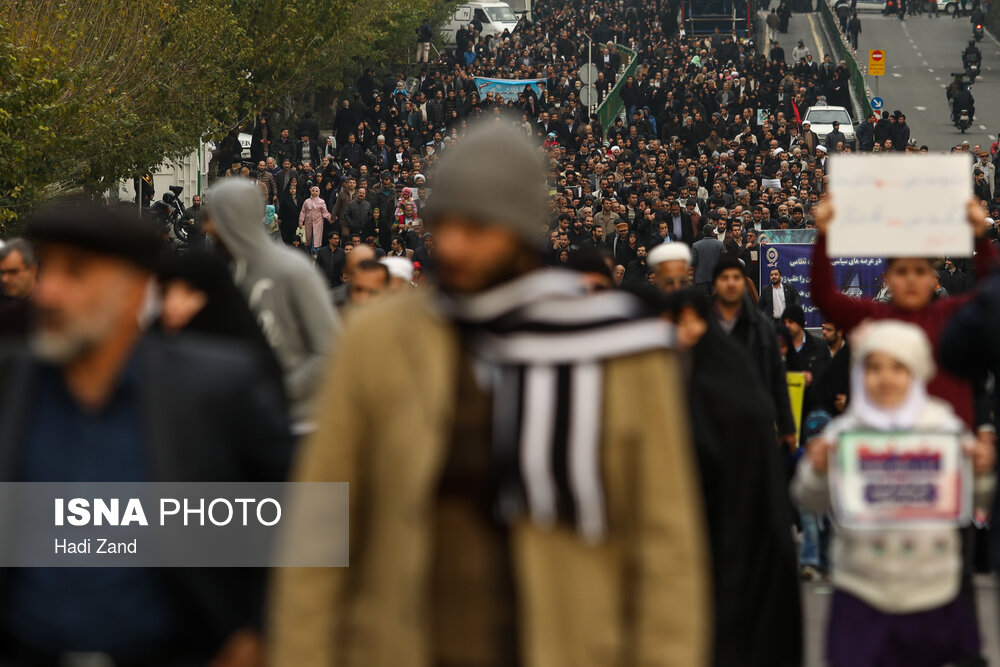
[[640, 598]]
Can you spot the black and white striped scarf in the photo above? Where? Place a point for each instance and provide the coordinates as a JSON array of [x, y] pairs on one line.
[[539, 342]]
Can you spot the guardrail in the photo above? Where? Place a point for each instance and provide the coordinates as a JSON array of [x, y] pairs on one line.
[[612, 105], [848, 55]]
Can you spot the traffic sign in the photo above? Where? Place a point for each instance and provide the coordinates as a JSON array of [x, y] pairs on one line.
[[588, 96], [588, 74], [877, 104], [876, 62]]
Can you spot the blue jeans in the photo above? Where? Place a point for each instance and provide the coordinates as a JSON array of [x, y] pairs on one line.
[[815, 541]]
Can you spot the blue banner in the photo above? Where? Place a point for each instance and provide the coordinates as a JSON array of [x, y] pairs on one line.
[[858, 277], [507, 89]]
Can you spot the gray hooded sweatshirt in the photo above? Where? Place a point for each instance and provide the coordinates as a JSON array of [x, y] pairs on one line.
[[286, 294]]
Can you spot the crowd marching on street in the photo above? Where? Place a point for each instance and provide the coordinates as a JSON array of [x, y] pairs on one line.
[[542, 352]]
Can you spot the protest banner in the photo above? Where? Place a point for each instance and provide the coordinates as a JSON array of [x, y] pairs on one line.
[[787, 236], [507, 89], [884, 479], [858, 277], [900, 206]]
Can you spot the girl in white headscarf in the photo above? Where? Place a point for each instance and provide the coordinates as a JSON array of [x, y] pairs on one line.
[[896, 599]]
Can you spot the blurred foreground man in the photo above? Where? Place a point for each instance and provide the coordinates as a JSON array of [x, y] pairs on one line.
[[97, 399], [522, 487]]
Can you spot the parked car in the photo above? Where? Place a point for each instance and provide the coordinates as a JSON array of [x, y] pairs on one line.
[[821, 119]]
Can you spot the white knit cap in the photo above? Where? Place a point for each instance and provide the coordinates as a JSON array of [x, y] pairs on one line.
[[668, 252], [906, 343], [399, 267]]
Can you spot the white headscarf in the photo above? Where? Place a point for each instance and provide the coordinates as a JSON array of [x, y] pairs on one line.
[[907, 344]]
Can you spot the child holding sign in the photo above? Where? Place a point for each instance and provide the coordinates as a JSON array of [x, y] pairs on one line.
[[897, 587]]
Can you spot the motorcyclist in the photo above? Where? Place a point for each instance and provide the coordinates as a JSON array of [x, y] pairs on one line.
[[963, 101], [953, 88], [978, 16], [971, 54]]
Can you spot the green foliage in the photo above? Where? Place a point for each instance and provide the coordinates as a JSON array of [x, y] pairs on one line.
[[93, 92]]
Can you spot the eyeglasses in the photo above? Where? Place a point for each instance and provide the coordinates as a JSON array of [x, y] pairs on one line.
[[676, 282]]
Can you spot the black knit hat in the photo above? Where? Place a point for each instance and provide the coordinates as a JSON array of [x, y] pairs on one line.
[[727, 262], [795, 314]]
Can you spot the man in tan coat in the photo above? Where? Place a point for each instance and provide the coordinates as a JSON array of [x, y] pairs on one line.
[[521, 477]]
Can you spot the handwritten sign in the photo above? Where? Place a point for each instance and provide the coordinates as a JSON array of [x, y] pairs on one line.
[[900, 206], [772, 183], [880, 479]]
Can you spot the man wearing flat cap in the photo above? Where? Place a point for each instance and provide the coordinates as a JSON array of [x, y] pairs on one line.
[[98, 398], [534, 502]]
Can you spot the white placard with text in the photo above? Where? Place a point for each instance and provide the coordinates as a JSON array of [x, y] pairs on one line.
[[900, 205]]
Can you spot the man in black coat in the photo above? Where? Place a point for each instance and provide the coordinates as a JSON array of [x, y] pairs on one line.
[[738, 318], [308, 151], [331, 260], [900, 133], [757, 616], [99, 400], [757, 611], [777, 296], [866, 134], [807, 353], [883, 128]]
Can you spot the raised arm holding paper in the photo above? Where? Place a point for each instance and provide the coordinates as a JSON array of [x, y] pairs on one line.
[[910, 278]]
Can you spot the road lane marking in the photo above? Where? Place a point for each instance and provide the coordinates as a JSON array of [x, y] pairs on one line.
[[920, 108], [982, 127], [992, 138], [819, 44], [937, 78]]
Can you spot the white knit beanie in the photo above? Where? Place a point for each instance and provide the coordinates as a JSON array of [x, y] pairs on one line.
[[907, 343]]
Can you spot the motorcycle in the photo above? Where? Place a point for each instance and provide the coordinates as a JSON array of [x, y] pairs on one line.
[[972, 70], [977, 32], [170, 214], [964, 121]]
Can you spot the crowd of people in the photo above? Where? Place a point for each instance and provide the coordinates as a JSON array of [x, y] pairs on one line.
[[540, 350]]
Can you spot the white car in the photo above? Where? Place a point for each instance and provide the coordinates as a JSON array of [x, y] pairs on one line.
[[821, 121], [495, 17]]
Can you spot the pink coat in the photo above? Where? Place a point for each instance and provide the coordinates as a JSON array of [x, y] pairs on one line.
[[313, 214]]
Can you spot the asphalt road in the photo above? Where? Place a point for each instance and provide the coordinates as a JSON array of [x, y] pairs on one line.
[[921, 55], [804, 26]]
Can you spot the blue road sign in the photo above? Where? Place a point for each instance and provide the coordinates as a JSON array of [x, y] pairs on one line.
[[877, 103]]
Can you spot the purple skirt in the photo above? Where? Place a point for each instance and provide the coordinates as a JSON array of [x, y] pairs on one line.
[[862, 636]]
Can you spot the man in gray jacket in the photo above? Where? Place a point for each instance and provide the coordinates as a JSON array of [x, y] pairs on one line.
[[286, 294], [705, 255]]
